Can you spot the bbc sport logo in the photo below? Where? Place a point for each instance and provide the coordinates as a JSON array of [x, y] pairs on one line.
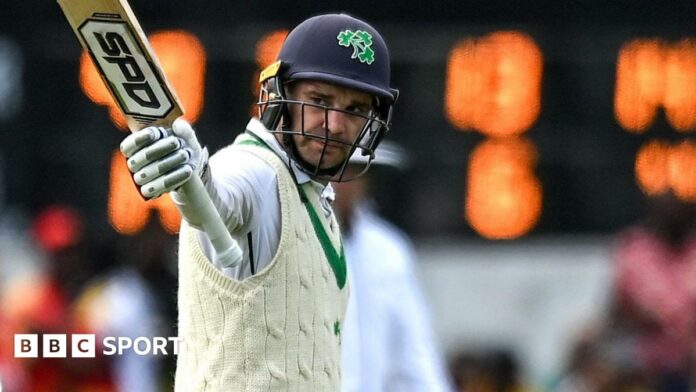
[[84, 345]]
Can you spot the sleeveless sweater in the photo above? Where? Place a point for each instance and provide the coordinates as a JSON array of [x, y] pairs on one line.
[[278, 330]]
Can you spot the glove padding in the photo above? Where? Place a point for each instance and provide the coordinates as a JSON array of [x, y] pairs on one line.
[[162, 159]]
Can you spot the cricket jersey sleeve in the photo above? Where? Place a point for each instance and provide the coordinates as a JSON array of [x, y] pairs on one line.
[[241, 185]]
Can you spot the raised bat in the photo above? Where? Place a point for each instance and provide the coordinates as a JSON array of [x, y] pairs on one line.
[[110, 32]]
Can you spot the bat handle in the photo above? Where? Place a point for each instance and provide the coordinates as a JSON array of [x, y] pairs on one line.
[[228, 252]]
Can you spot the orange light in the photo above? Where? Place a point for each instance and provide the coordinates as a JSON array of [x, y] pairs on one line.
[[493, 84], [128, 212], [464, 85], [183, 60], [267, 50], [661, 167], [651, 166], [681, 170], [269, 46], [503, 198], [639, 84], [651, 74], [680, 79]]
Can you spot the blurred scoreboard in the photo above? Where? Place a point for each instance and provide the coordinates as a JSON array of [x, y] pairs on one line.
[[510, 132]]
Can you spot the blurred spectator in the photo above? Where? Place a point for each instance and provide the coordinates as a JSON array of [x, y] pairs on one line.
[[123, 302], [120, 304], [464, 368], [501, 373], [493, 371], [106, 293], [655, 297], [42, 303], [19, 255], [387, 344], [602, 362], [587, 371]]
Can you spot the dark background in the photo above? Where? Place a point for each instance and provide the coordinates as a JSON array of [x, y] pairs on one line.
[[56, 148]]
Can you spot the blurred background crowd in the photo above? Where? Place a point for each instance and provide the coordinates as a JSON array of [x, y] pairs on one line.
[[546, 183]]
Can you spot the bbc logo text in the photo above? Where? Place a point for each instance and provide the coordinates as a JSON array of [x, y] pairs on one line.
[[84, 345]]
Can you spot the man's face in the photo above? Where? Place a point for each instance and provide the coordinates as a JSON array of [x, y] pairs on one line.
[[343, 128]]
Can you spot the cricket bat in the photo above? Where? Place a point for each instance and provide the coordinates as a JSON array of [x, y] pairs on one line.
[[119, 49]]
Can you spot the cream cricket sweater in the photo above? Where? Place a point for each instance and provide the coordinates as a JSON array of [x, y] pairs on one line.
[[278, 330]]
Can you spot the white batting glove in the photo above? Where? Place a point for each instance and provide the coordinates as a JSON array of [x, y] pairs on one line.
[[162, 159]]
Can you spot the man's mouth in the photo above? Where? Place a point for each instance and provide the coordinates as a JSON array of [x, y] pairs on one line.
[[330, 146]]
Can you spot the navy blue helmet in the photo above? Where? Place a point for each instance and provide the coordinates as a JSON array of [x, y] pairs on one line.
[[340, 50]]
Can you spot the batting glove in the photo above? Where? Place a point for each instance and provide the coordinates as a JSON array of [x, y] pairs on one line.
[[162, 159]]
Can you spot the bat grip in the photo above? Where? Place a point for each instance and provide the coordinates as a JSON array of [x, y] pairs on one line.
[[227, 250]]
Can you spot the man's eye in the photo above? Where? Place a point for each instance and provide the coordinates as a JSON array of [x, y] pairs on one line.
[[359, 110], [317, 100]]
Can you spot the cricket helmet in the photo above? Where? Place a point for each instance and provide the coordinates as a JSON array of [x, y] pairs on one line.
[[337, 49]]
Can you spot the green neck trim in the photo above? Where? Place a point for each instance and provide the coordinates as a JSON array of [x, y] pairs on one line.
[[336, 260]]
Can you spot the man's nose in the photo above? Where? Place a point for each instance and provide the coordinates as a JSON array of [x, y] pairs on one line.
[[337, 122]]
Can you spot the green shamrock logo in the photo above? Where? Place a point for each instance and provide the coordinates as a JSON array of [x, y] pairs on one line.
[[361, 42], [337, 328]]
